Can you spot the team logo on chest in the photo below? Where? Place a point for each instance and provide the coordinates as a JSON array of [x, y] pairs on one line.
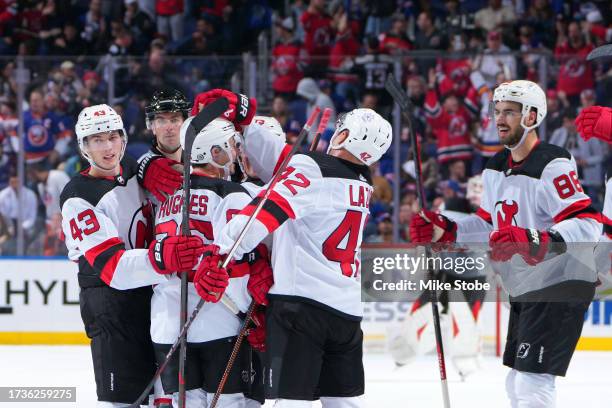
[[506, 211]]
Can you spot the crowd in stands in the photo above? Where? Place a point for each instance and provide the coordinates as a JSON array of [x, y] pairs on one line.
[[449, 55]]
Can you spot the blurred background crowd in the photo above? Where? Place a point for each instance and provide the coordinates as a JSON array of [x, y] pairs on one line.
[[58, 56]]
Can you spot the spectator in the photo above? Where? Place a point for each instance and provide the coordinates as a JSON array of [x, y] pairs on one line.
[[495, 16], [139, 22], [346, 47], [123, 43], [589, 155], [395, 41], [280, 112], [379, 16], [288, 57], [406, 212], [309, 90], [385, 230], [555, 110], [65, 124], [95, 28], [42, 134], [8, 84], [10, 206], [5, 233], [93, 91], [575, 73], [69, 42], [427, 38], [496, 60], [169, 18], [540, 19], [373, 68], [318, 36]]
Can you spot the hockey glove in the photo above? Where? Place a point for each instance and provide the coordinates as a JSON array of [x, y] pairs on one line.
[[241, 108], [156, 175], [260, 276], [175, 254], [257, 334], [428, 226], [530, 244], [595, 121], [211, 279]]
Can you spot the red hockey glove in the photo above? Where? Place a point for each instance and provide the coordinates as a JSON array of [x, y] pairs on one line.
[[260, 276], [529, 243], [257, 334], [241, 108], [211, 279], [156, 175], [175, 254], [595, 121], [428, 226]]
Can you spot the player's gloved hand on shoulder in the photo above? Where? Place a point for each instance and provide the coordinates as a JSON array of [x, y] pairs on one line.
[[211, 278], [428, 226], [156, 175], [260, 276], [530, 244], [175, 254], [257, 334], [595, 121], [241, 108]]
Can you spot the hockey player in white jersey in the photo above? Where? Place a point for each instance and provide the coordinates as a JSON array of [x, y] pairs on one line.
[[214, 201], [532, 207], [107, 222], [317, 212]]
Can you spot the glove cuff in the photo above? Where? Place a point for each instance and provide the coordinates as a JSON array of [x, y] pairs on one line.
[[143, 166], [156, 255]]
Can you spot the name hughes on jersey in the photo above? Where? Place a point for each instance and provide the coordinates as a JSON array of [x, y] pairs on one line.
[[359, 195], [198, 205]]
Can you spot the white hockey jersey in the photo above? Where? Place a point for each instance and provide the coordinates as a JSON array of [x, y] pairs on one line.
[[108, 227], [317, 212], [212, 204], [541, 192], [265, 150]]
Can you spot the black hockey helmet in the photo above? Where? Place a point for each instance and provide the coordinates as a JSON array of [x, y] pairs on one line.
[[167, 100]]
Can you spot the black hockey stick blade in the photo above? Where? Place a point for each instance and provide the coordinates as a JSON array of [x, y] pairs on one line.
[[599, 52], [397, 93]]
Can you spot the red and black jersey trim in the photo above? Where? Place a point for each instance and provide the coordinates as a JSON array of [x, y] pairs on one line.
[[92, 189], [274, 212], [532, 166], [484, 215], [579, 209], [104, 258]]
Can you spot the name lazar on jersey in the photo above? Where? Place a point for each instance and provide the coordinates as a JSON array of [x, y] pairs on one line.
[[359, 196], [198, 204]]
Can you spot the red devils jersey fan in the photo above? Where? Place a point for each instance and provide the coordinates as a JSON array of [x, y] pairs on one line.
[[532, 209], [317, 212], [105, 221]]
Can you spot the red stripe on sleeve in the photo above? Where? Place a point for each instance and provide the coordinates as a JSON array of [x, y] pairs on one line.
[[572, 209], [282, 156], [93, 253], [111, 265], [267, 219], [484, 215]]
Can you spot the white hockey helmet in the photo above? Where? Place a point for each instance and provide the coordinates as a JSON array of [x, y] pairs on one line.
[[216, 134], [98, 119], [369, 135], [271, 124], [529, 95]]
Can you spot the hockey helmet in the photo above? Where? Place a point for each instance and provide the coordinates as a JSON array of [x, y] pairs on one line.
[[271, 124], [369, 135], [98, 119], [167, 100], [529, 95], [217, 133]]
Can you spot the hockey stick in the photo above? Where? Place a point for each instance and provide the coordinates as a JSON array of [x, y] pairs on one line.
[[199, 122], [400, 97], [245, 326], [245, 229], [322, 125], [601, 51]]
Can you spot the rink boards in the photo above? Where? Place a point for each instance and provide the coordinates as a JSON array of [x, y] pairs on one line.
[[39, 304]]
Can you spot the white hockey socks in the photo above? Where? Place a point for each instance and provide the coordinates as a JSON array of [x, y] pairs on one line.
[[529, 390]]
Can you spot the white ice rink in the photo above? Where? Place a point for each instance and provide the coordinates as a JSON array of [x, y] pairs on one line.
[[588, 385]]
